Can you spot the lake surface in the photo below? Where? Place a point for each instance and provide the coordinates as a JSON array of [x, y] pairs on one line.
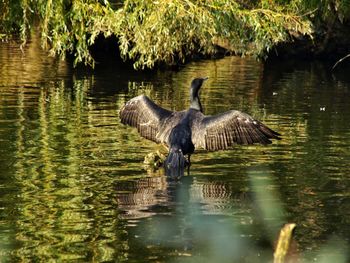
[[74, 188]]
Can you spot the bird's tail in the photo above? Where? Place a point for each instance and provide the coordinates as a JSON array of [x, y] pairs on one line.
[[175, 163]]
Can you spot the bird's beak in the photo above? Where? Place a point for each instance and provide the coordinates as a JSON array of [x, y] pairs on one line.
[[205, 78]]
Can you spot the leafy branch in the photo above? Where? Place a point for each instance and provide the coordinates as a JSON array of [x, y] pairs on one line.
[[162, 32]]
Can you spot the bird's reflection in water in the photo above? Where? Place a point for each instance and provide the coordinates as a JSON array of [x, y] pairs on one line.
[[184, 215], [138, 198], [144, 197]]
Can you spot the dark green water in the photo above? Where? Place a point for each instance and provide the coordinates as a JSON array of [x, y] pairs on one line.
[[73, 187]]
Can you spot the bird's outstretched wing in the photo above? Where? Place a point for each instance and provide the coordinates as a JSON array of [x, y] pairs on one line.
[[221, 131], [145, 115]]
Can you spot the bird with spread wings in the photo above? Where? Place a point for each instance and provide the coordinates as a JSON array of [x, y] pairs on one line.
[[212, 133]]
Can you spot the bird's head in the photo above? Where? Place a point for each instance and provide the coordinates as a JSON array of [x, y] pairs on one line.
[[196, 84]]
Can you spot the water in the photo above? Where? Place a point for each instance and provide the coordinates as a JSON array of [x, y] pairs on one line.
[[74, 188]]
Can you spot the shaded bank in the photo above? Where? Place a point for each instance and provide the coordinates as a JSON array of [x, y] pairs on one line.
[[331, 45], [153, 33]]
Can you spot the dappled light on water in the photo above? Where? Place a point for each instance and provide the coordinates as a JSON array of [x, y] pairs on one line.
[[74, 186]]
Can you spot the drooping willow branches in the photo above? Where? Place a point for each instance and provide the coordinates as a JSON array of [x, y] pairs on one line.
[[160, 31]]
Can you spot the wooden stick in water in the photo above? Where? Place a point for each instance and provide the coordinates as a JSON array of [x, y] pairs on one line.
[[283, 243]]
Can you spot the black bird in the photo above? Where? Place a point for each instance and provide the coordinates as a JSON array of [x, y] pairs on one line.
[[183, 131]]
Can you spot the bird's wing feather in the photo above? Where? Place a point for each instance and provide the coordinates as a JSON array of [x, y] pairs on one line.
[[145, 115], [223, 130]]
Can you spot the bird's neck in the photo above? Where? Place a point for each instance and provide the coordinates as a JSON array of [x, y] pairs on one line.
[[195, 101]]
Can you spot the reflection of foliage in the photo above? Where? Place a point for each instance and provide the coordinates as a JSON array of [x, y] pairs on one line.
[[73, 162]]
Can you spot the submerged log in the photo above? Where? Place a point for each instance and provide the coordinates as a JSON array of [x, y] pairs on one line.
[[154, 160]]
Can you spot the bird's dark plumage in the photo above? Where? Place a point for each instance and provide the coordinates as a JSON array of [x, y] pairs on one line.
[[152, 121], [184, 131]]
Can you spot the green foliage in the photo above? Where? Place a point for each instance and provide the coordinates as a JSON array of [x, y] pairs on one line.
[[326, 10], [167, 30], [164, 31], [257, 30], [74, 25], [12, 18], [152, 32], [65, 26]]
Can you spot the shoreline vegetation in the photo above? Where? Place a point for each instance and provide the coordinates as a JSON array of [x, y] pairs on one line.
[[154, 33]]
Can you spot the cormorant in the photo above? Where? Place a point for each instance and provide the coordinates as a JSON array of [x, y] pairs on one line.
[[183, 131]]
